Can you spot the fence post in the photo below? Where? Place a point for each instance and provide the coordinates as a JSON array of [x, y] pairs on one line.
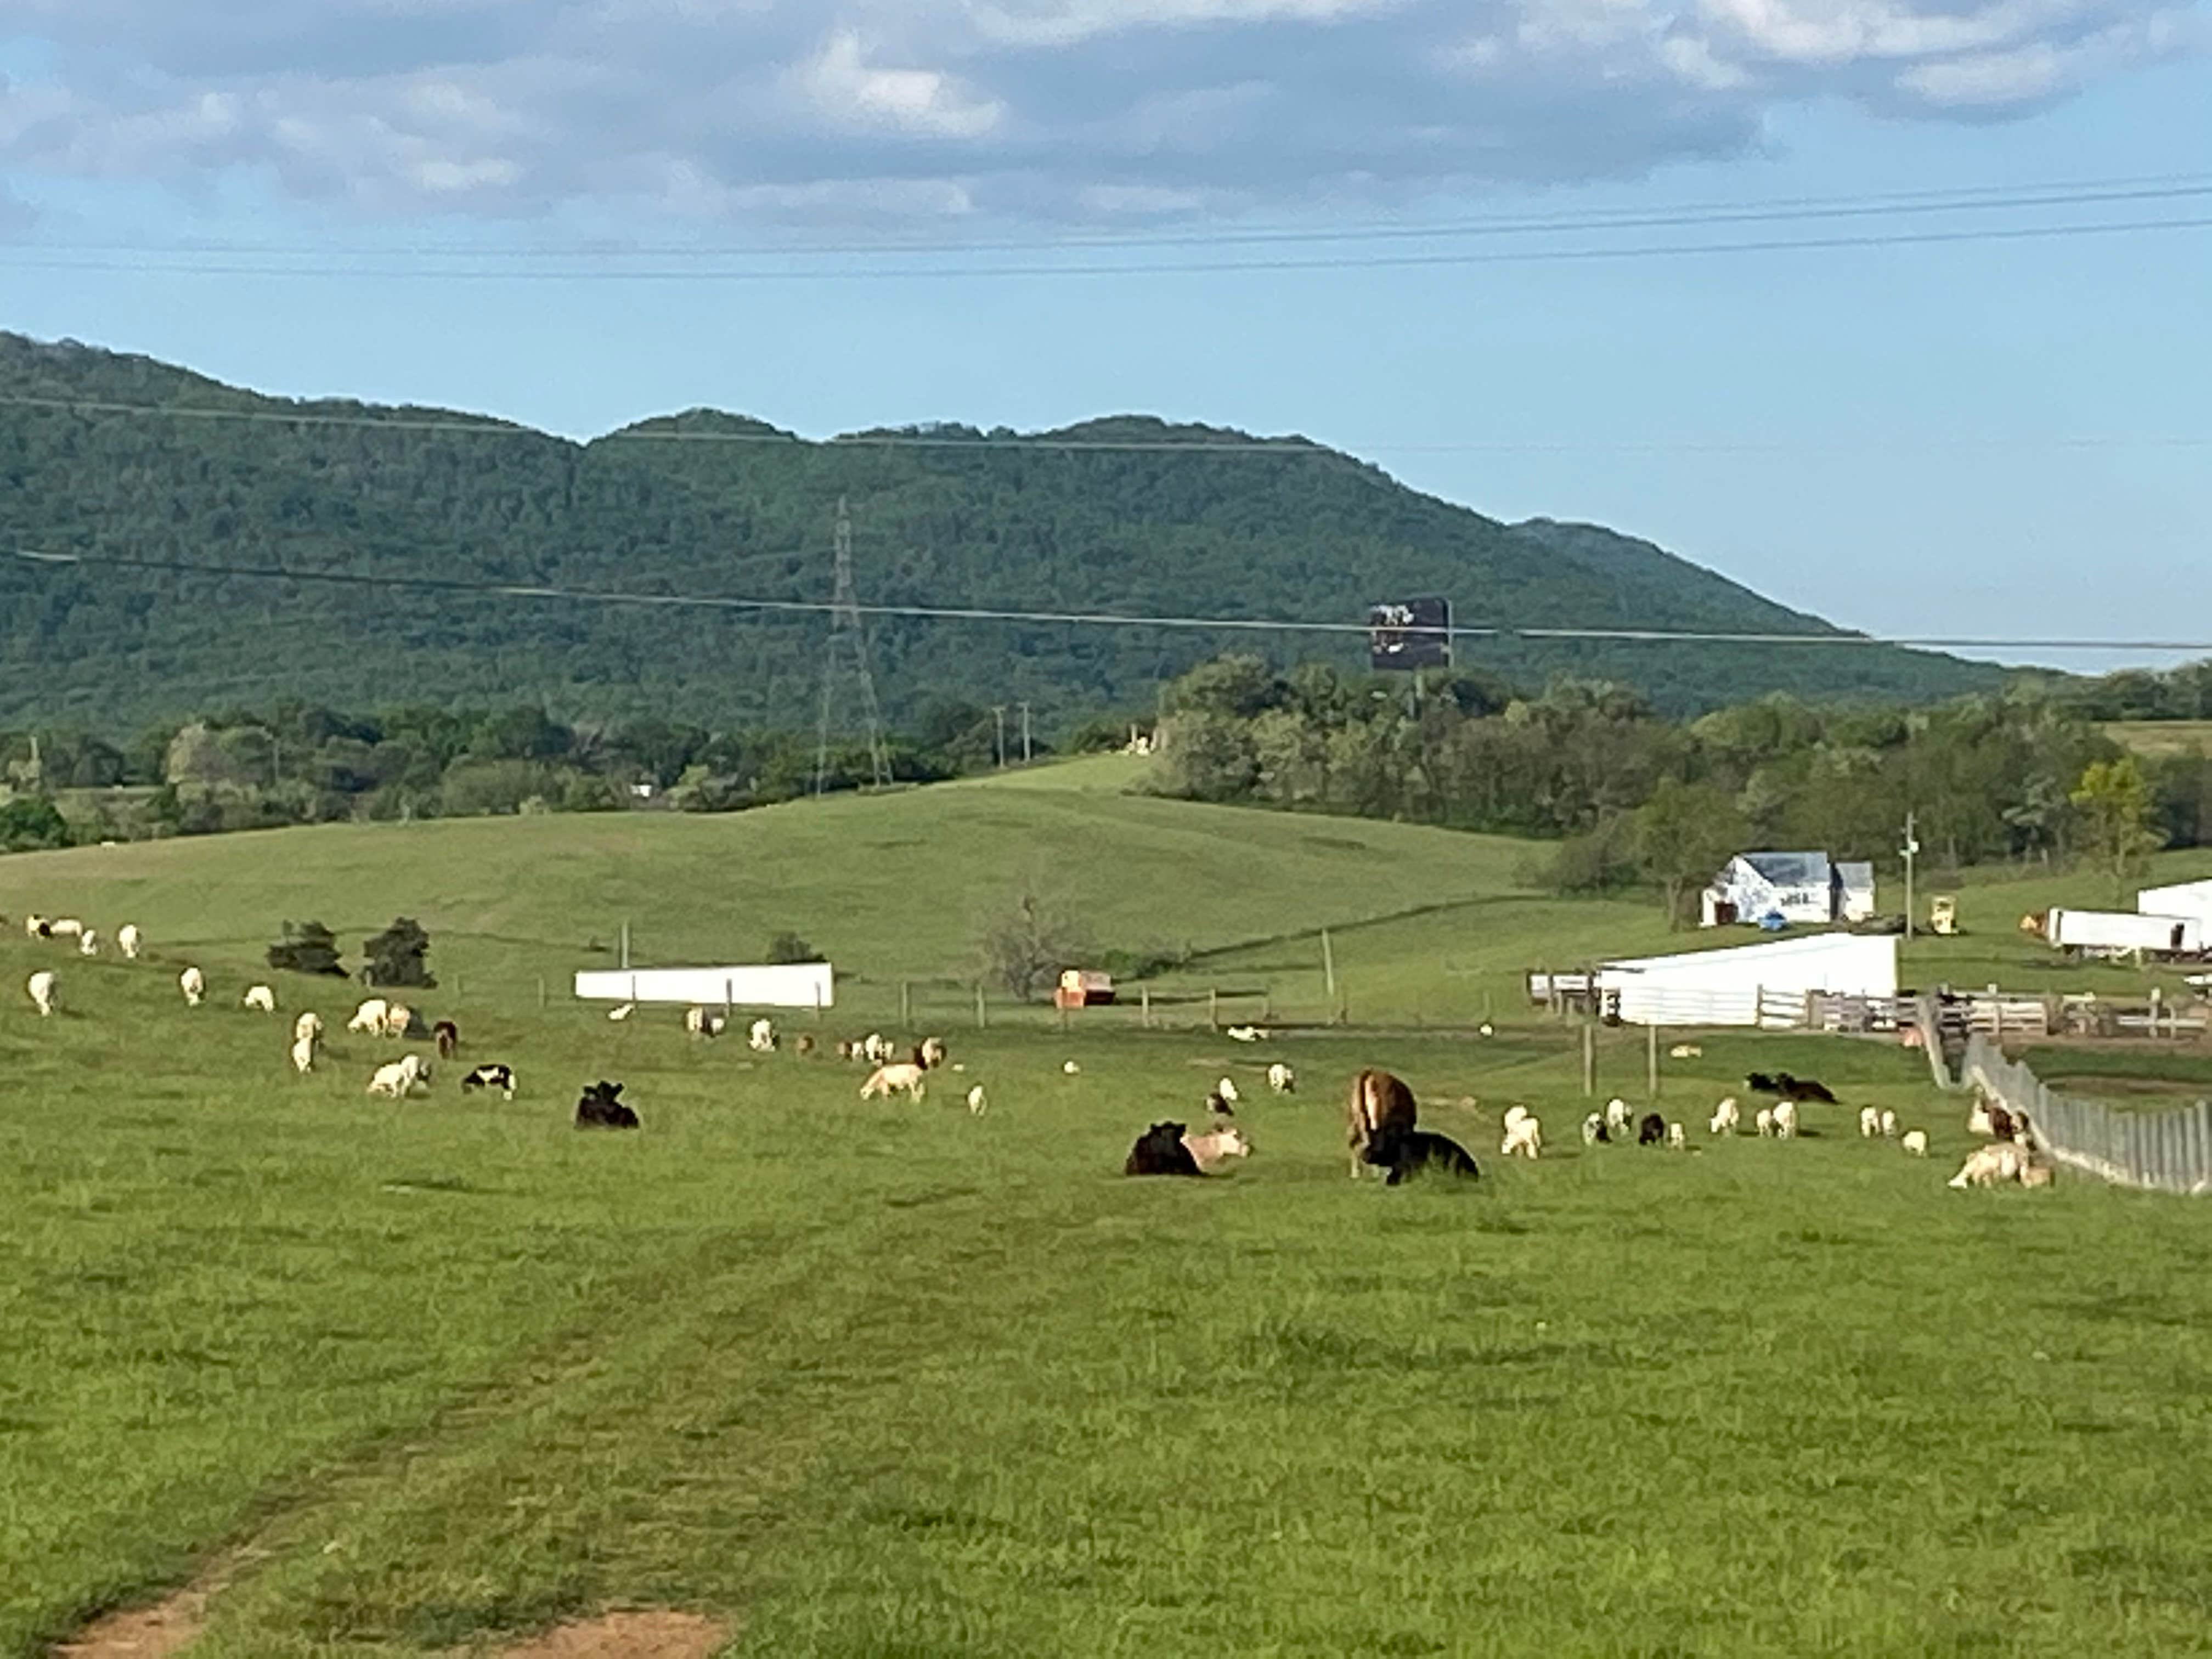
[[982, 1022], [906, 1006], [1329, 965], [1213, 1006], [1589, 1058], [1145, 1006], [1651, 1061]]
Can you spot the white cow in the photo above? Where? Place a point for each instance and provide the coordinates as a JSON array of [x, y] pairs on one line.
[[87, 944], [761, 1037], [1887, 1124], [1915, 1143], [308, 1028], [1227, 1090], [193, 984], [1766, 1120], [1678, 1138], [977, 1104], [904, 1074], [64, 927], [1524, 1134], [128, 939], [1728, 1118], [876, 1047], [259, 998], [396, 1019], [369, 1017], [1785, 1120], [1991, 1165], [1282, 1080], [1977, 1118], [1246, 1033], [401, 1077], [933, 1052], [1216, 1147], [1869, 1122], [1593, 1127], [34, 927], [303, 1054], [1685, 1051], [41, 988], [1618, 1118]]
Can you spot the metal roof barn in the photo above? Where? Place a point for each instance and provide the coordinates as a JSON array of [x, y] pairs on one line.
[[1726, 986]]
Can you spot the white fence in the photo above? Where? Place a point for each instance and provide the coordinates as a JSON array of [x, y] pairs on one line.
[[798, 985], [2167, 1152]]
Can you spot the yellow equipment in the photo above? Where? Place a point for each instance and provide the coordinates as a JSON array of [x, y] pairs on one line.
[[1943, 915]]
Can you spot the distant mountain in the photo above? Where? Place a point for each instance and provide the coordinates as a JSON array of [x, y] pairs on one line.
[[708, 503]]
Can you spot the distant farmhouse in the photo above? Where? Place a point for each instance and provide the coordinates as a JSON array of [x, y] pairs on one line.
[[1778, 890]]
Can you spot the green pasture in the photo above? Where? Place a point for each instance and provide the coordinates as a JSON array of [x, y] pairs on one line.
[[890, 1379]]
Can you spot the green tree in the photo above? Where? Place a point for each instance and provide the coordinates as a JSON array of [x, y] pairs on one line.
[[30, 823], [395, 955], [1025, 947], [307, 948], [2114, 801], [1684, 834]]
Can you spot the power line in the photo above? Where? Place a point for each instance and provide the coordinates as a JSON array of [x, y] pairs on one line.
[[1082, 618], [479, 426], [1961, 199], [197, 267]]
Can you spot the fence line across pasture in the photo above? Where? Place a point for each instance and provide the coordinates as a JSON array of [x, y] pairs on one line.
[[2167, 1152]]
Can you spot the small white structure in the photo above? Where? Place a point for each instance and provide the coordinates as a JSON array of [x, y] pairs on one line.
[[2123, 932], [1728, 986], [795, 984], [1806, 889]]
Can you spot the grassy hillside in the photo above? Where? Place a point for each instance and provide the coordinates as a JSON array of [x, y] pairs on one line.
[[1299, 535], [868, 1379]]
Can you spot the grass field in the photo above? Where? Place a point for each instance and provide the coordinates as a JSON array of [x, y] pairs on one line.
[[2161, 738], [888, 1379]]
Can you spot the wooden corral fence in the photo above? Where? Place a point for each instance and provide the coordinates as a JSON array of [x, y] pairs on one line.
[[2166, 1152]]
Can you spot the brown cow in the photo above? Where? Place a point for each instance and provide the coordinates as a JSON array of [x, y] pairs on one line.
[[1379, 1101]]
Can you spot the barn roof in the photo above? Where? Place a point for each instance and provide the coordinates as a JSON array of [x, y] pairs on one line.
[[1790, 869]]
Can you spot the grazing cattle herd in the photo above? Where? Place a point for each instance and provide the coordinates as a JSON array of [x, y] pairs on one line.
[[1383, 1132]]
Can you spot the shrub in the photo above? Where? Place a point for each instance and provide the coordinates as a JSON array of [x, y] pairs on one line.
[[396, 955], [308, 948], [788, 947]]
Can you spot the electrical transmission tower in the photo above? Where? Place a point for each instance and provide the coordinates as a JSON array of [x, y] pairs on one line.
[[848, 649]]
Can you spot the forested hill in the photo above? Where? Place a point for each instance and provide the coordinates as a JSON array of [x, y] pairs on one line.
[[705, 503]]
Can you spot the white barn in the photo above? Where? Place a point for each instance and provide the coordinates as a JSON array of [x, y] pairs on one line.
[[1726, 986], [795, 984], [1798, 888], [2191, 899]]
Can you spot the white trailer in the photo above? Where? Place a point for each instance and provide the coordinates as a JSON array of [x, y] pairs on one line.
[[2187, 898], [2123, 932], [796, 985]]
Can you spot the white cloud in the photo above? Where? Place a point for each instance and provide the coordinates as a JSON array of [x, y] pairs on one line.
[[1045, 109]]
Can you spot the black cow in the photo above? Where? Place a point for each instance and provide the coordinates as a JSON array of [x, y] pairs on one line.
[[494, 1076], [1651, 1130], [599, 1110], [1405, 1153], [1803, 1088], [1759, 1083], [1160, 1152]]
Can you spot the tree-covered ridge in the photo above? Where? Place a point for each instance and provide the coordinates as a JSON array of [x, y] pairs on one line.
[[1635, 798], [743, 509]]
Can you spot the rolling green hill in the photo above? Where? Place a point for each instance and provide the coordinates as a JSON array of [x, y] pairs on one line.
[[706, 503]]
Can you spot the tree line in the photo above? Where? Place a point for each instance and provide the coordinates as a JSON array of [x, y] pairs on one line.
[[1635, 799], [305, 763]]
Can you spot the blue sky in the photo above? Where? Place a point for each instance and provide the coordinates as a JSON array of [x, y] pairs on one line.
[[1989, 437]]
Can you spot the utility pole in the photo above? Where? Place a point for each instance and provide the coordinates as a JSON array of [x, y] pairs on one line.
[[998, 715], [1025, 734], [1912, 850], [848, 639]]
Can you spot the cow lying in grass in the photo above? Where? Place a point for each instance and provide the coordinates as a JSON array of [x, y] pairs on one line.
[[1408, 1151], [1160, 1152], [1216, 1147], [598, 1109]]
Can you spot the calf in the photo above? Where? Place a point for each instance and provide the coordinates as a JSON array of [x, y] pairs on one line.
[[40, 986], [1524, 1136], [1282, 1080], [1216, 1147], [259, 998], [1619, 1119], [904, 1075], [400, 1077], [1727, 1118], [1379, 1101], [1915, 1143], [1887, 1124], [1651, 1129], [193, 984], [933, 1052], [760, 1037], [1766, 1120], [1803, 1088], [1160, 1152], [447, 1036], [598, 1109], [493, 1075], [1593, 1133], [1409, 1151], [1678, 1138], [1988, 1166], [1761, 1084], [1785, 1120], [1869, 1123]]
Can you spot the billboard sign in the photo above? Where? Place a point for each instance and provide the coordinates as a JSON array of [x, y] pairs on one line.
[[1409, 634]]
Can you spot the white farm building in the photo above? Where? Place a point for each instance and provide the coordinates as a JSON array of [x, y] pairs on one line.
[[1747, 984], [1773, 890], [2190, 899]]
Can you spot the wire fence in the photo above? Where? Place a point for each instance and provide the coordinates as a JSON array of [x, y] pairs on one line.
[[2166, 1152]]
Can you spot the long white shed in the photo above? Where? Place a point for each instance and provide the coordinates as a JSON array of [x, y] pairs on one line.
[[1726, 988], [2120, 933], [795, 984]]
